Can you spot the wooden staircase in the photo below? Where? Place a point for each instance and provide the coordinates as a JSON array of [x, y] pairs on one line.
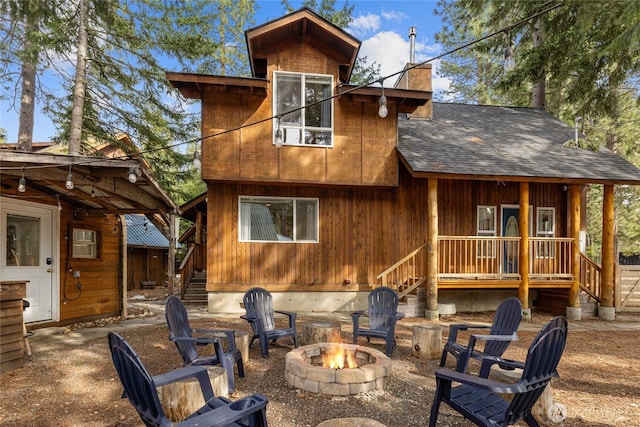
[[195, 289]]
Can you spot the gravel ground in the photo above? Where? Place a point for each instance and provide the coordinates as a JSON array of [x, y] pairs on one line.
[[73, 383]]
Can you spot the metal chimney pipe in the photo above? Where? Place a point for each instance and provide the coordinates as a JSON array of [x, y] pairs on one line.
[[412, 45]]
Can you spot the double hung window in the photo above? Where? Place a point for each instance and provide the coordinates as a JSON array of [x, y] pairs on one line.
[[545, 227], [85, 243], [275, 219], [486, 227], [305, 109]]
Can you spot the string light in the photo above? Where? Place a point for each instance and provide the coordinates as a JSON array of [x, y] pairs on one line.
[[93, 191], [22, 184], [69, 183], [133, 174], [59, 205], [278, 137], [509, 62], [197, 163], [383, 110], [508, 50]]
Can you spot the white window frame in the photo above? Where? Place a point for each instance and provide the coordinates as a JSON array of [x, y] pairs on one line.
[[288, 130], [545, 250], [82, 243], [481, 251], [242, 228]]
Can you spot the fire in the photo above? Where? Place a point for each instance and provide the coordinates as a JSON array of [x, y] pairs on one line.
[[339, 359]]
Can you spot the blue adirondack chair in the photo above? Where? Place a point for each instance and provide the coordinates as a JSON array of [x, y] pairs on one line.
[[383, 315], [260, 314], [503, 330], [482, 401], [140, 389], [183, 336]]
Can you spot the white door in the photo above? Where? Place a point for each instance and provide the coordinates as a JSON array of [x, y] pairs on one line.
[[27, 253]]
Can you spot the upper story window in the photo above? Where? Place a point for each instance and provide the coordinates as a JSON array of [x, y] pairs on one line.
[[277, 219], [85, 243], [311, 122]]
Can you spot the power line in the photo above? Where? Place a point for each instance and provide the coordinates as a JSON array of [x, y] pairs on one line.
[[131, 156]]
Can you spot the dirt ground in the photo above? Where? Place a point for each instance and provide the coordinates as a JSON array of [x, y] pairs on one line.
[[70, 384]]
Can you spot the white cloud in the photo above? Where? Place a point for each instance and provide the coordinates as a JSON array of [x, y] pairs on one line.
[[394, 15], [364, 25], [391, 51]]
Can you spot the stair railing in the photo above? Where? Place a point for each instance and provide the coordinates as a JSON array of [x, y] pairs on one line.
[[590, 277], [186, 270], [407, 274]]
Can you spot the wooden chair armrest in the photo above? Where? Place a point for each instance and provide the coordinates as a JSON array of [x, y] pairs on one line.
[[450, 375]]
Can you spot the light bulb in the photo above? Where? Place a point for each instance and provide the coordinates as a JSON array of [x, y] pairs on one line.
[[69, 183], [509, 62], [133, 176], [383, 111], [279, 142], [22, 185]]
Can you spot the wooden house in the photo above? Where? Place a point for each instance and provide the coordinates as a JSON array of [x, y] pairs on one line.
[[147, 254], [317, 198], [67, 240]]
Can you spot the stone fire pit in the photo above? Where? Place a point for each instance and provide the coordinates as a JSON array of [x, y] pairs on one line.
[[304, 369]]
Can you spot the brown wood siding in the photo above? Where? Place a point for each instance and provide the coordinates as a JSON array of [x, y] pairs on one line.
[[364, 144], [458, 201], [146, 264], [99, 278], [362, 231]]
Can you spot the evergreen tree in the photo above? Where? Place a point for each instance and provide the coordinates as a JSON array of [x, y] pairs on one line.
[[581, 59]]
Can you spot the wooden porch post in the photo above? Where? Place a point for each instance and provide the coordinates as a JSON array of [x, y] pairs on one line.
[[523, 262], [172, 253], [575, 195], [606, 300], [431, 312]]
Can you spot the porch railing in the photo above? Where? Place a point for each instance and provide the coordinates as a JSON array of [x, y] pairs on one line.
[[478, 257], [550, 257]]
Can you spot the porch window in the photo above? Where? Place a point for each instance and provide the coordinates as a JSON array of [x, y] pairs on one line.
[[545, 227], [85, 243], [274, 219], [311, 122], [486, 227]]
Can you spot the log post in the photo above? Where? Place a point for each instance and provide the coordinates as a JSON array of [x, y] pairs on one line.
[[523, 291], [431, 312], [608, 224]]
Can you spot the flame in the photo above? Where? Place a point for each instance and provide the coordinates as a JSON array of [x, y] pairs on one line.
[[339, 359]]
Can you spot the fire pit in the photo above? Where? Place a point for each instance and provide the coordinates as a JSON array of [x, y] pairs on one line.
[[337, 369]]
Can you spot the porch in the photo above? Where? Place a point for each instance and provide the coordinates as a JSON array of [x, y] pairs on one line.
[[475, 262]]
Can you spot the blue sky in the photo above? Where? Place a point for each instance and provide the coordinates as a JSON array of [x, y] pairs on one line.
[[382, 27]]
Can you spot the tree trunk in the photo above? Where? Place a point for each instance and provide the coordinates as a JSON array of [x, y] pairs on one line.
[[75, 133], [27, 98], [538, 94]]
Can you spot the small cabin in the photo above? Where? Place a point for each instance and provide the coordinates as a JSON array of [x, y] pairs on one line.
[[317, 195]]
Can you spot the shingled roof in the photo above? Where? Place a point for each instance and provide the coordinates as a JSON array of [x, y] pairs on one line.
[[507, 143]]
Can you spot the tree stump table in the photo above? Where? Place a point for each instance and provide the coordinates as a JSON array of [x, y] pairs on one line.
[[546, 409], [426, 342], [242, 343], [183, 398], [317, 332]]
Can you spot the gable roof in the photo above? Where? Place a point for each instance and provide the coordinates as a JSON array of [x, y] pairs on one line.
[[304, 24], [142, 233], [504, 143]]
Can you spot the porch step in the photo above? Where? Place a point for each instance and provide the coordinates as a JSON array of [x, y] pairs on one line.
[[588, 305], [196, 292], [413, 305]]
